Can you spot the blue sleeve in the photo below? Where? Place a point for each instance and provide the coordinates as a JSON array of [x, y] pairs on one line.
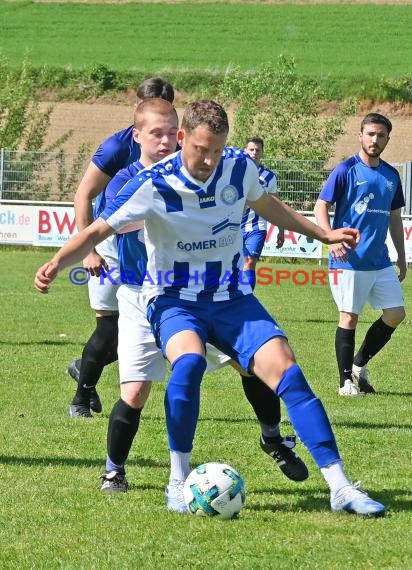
[[335, 185], [115, 152]]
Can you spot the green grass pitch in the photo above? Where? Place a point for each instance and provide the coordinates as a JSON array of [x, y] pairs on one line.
[[52, 514]]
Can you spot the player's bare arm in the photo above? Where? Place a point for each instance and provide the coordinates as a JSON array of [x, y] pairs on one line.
[[92, 184], [321, 211], [396, 231], [280, 214], [73, 251]]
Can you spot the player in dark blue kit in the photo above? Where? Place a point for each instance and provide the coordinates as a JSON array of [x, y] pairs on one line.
[[193, 202], [115, 153], [367, 194]]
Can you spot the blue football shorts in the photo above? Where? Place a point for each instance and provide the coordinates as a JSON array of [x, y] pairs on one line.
[[253, 243], [238, 327]]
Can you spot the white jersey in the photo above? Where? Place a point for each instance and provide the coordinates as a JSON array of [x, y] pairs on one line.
[[192, 228], [251, 221]]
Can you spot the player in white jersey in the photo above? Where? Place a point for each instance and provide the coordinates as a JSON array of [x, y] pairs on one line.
[[367, 194], [192, 205], [254, 227]]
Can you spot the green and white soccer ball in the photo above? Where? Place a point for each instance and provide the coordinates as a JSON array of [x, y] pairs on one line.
[[214, 490]]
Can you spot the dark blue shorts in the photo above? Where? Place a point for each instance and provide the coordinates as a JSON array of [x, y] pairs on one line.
[[238, 327], [253, 243]]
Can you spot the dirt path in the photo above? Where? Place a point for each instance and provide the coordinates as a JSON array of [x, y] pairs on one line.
[[93, 122]]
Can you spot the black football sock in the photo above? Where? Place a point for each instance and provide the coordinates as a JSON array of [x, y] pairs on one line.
[[378, 334], [123, 425], [344, 348], [266, 405], [100, 350]]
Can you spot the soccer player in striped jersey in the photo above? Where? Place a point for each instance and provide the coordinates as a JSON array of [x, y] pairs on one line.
[[116, 152], [140, 361], [192, 205], [367, 194], [254, 227]]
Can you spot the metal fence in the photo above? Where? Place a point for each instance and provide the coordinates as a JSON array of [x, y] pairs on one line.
[[54, 176], [40, 176], [300, 181]]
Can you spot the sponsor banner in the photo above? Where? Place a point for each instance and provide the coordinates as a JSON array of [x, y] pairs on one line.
[[54, 225], [16, 224], [296, 245], [407, 232]]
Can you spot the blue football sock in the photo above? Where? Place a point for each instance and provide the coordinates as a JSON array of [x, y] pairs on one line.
[[308, 416], [182, 400]]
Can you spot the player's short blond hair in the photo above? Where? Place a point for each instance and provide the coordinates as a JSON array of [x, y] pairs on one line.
[[159, 106]]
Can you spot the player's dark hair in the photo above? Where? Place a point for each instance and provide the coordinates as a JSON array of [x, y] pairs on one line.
[[208, 113], [377, 119], [156, 87], [255, 140], [156, 105]]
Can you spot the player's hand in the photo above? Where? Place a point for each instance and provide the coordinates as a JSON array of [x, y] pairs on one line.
[[338, 252], [94, 263], [349, 237], [403, 268], [280, 240], [45, 275]]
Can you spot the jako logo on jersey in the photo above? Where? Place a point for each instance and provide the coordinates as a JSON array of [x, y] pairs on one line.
[[206, 199], [229, 195], [226, 223], [195, 245]]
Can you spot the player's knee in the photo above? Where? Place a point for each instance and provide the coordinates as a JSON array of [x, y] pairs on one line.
[[135, 394], [393, 317], [293, 387], [188, 369], [348, 320]]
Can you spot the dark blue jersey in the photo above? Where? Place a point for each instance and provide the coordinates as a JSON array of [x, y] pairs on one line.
[[115, 153]]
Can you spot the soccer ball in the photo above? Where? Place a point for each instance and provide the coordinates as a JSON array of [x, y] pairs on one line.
[[306, 244], [214, 490]]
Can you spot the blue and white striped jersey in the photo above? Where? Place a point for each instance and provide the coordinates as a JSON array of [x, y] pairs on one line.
[[192, 228], [250, 220], [364, 197], [116, 152], [130, 246]]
